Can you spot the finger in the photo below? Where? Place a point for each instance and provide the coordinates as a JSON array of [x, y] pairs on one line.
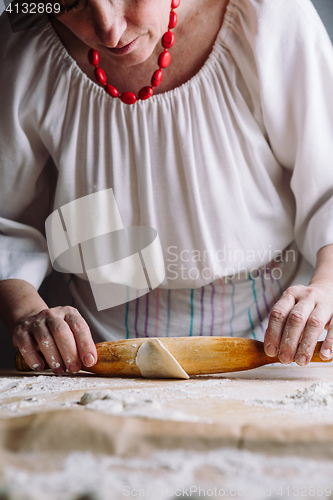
[[47, 344], [64, 338], [326, 351], [277, 320], [293, 330], [25, 344], [313, 329], [84, 341]]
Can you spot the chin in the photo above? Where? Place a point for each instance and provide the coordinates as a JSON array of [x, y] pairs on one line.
[[141, 53], [134, 59]]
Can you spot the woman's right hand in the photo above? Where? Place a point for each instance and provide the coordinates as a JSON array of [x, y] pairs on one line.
[[61, 334]]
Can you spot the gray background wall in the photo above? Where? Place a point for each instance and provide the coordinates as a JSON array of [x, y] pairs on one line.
[[325, 10], [7, 352]]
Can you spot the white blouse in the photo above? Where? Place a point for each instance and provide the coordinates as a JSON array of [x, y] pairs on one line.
[[236, 163]]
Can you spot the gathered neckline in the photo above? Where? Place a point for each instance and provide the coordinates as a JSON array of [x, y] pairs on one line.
[[169, 94]]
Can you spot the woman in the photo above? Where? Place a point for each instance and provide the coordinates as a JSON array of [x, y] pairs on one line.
[[229, 160]]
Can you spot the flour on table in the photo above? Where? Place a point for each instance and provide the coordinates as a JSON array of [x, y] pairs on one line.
[[128, 406], [40, 391], [252, 476], [319, 396], [198, 399], [155, 361], [90, 397]]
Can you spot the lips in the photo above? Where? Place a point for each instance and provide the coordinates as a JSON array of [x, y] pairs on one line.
[[124, 49]]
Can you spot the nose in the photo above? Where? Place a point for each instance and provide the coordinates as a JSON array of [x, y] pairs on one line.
[[109, 21]]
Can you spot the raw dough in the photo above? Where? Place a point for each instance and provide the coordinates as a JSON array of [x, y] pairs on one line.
[[90, 397], [155, 361]]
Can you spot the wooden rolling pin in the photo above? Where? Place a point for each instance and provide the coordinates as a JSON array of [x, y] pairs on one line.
[[196, 355]]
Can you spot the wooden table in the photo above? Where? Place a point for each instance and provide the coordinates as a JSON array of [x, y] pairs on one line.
[[200, 413]]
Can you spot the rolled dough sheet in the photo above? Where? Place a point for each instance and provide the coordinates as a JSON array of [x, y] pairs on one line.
[[155, 361], [41, 413]]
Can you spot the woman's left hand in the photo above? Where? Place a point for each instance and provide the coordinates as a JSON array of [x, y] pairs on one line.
[[297, 320]]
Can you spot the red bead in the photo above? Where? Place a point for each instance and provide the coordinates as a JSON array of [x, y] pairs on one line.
[[164, 59], [93, 57], [112, 91], [157, 78], [172, 20], [128, 98], [100, 76], [175, 4], [168, 40], [145, 93]]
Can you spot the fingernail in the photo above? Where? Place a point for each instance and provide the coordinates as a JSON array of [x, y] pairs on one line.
[[58, 371], [74, 368], [326, 353], [285, 358], [271, 350], [89, 360], [301, 360], [37, 367]]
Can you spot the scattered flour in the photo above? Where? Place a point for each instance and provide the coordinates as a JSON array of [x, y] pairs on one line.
[[113, 403], [317, 397], [36, 391], [138, 397], [240, 473], [48, 383], [26, 395], [128, 397]]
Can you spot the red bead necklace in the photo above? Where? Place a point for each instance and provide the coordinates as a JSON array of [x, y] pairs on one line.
[[168, 39]]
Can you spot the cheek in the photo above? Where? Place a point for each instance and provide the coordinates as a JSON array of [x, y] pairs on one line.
[[80, 24], [152, 15]]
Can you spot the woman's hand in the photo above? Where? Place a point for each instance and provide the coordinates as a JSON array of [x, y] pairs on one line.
[[297, 320], [61, 334], [299, 317]]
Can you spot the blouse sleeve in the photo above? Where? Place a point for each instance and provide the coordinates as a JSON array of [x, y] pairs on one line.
[[293, 65], [25, 175]]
